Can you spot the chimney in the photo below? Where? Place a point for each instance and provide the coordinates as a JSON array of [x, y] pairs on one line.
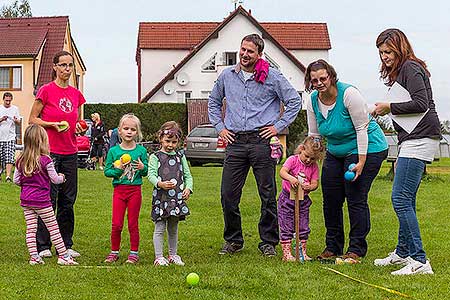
[[250, 12]]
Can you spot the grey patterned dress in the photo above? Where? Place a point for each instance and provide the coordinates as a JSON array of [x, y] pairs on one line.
[[168, 203]]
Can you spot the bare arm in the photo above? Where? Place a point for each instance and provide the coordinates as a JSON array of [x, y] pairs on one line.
[[35, 119], [284, 173]]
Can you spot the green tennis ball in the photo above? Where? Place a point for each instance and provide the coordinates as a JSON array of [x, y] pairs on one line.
[[192, 279], [64, 125]]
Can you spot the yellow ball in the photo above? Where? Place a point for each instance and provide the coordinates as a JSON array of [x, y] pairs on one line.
[[117, 164], [192, 279], [64, 125], [126, 158]]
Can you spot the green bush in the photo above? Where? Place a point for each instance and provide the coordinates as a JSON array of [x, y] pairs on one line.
[[152, 115]]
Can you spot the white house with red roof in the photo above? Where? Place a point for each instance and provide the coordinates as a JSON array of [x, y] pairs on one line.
[[181, 60]]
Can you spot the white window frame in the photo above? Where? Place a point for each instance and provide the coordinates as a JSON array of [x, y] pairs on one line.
[[272, 62], [10, 88], [212, 61]]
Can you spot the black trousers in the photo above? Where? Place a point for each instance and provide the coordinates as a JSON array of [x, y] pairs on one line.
[[63, 197], [336, 189], [249, 150]]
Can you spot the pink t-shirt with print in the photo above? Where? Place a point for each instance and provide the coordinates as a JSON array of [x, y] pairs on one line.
[[61, 104], [295, 165]]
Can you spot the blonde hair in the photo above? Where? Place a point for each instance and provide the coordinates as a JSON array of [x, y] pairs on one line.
[[35, 142], [313, 144], [136, 121], [171, 129]]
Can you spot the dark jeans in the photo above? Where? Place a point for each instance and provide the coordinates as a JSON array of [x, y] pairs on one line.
[[249, 150], [336, 189], [63, 197]]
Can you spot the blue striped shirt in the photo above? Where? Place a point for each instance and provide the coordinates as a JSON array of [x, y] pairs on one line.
[[251, 105]]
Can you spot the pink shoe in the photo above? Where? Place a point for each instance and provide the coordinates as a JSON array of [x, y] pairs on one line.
[[112, 257], [132, 259]]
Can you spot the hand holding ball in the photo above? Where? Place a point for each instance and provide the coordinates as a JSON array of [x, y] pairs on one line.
[[192, 279], [350, 175], [117, 164], [125, 158], [63, 126]]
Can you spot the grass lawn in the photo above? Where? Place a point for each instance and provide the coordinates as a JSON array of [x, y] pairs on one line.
[[246, 275]]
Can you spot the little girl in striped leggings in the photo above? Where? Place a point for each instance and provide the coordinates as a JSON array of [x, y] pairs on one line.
[[33, 173]]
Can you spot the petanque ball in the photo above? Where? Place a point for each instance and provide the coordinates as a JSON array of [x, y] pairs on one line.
[[351, 166], [349, 175]]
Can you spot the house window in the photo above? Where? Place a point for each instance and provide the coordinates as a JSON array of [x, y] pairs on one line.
[[183, 96], [205, 94], [210, 64], [10, 78], [271, 62], [230, 58]]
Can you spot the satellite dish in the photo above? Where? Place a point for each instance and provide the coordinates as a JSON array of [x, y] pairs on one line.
[[183, 78], [169, 88]]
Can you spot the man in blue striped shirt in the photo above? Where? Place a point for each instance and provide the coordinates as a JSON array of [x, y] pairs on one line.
[[252, 117]]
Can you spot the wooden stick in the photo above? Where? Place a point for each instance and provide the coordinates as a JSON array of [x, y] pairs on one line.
[[299, 196]]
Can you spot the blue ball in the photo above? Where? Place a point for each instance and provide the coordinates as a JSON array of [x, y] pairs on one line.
[[351, 166], [349, 175]]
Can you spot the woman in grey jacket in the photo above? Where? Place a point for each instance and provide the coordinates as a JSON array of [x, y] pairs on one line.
[[400, 66]]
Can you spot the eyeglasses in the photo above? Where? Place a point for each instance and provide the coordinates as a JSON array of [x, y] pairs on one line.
[[64, 65], [315, 81]]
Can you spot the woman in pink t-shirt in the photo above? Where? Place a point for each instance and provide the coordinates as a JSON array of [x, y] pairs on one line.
[[58, 108], [299, 170]]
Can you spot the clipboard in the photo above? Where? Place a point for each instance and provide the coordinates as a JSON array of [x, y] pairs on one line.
[[398, 94]]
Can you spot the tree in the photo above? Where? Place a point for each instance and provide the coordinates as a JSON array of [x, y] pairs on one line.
[[16, 10], [445, 127]]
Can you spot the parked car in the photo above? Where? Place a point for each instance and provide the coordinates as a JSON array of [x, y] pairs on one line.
[[204, 145]]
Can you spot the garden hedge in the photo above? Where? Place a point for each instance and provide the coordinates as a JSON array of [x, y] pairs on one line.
[[152, 115]]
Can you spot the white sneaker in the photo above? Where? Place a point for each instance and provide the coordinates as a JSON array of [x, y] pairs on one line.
[[391, 259], [415, 267], [161, 261], [36, 260], [73, 253], [66, 261], [176, 260], [45, 253]]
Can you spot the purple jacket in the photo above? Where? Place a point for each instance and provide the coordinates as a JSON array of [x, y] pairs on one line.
[[35, 190]]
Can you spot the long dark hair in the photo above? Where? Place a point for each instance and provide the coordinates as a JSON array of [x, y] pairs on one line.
[[319, 65], [397, 42], [56, 60]]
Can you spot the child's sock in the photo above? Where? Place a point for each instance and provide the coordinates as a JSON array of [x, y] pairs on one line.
[[134, 253], [115, 252]]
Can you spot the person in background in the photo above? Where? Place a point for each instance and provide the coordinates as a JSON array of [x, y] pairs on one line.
[[9, 118], [97, 140], [399, 65]]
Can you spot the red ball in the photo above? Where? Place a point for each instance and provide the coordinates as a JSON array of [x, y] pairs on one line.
[[83, 124]]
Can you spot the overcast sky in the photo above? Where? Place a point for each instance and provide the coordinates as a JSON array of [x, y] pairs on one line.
[[105, 33]]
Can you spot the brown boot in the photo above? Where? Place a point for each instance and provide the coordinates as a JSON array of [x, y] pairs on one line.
[[305, 256], [287, 255]]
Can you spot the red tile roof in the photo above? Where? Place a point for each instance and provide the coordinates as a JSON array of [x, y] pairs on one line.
[[186, 35], [21, 42], [56, 31]]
